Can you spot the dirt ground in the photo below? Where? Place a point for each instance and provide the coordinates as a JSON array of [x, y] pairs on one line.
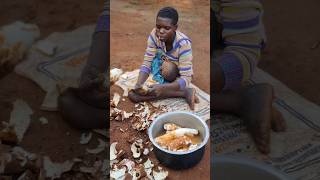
[[128, 40], [291, 56], [128, 44]]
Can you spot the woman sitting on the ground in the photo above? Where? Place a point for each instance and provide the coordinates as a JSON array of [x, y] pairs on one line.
[[167, 49]]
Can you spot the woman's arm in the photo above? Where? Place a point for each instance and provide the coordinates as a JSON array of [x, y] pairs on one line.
[[150, 53]]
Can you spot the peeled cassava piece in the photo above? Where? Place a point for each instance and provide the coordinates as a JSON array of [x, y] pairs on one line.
[[115, 73], [115, 101], [177, 138], [15, 40], [170, 127]]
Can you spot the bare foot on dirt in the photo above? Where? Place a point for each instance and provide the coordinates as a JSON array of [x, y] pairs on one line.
[[257, 112]]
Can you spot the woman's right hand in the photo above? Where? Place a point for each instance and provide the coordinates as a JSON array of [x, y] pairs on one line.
[[138, 89]]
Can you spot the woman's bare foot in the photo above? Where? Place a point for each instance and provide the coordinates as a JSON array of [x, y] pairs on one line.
[[256, 110], [278, 123], [196, 99], [190, 94]]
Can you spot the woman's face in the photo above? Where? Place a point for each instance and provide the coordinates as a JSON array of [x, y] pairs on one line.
[[165, 29]]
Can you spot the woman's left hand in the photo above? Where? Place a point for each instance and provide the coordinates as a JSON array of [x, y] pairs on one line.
[[156, 90]]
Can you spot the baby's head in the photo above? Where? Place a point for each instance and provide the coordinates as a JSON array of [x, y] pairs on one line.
[[166, 23], [169, 71]]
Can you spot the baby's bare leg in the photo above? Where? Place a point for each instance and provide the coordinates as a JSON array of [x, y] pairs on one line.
[[169, 71]]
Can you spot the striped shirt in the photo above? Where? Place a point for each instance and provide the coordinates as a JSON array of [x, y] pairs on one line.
[[180, 54], [243, 35]]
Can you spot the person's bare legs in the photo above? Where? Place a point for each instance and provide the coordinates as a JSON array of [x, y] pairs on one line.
[[252, 103], [188, 94], [170, 72]]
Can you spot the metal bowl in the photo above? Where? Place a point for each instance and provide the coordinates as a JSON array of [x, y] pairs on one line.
[[235, 168], [173, 159]]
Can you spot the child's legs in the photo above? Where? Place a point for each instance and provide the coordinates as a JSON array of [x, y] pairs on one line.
[[78, 113]]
